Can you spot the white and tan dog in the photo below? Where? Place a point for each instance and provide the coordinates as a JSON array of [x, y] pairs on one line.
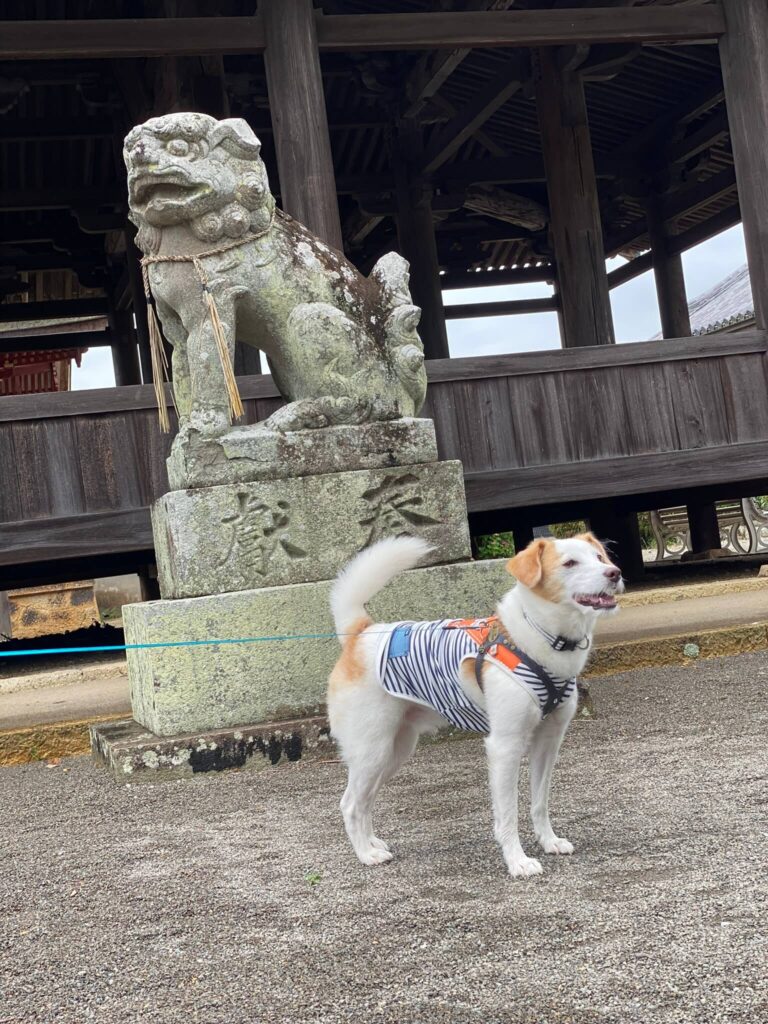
[[563, 587]]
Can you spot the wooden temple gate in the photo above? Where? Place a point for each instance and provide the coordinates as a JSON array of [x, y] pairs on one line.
[[496, 143]]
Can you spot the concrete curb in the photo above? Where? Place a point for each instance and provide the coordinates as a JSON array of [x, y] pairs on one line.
[[688, 591], [682, 649], [63, 676], [68, 739]]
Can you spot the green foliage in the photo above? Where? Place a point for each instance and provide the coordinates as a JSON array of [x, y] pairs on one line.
[[313, 877], [501, 545], [496, 545]]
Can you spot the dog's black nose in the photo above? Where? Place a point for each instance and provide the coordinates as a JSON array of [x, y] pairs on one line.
[[613, 574]]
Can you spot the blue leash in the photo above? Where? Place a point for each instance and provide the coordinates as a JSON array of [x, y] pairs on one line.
[[31, 652]]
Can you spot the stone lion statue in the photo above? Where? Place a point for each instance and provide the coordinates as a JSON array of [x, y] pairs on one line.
[[342, 348]]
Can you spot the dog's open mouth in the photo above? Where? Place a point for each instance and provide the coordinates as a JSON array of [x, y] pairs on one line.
[[602, 602]]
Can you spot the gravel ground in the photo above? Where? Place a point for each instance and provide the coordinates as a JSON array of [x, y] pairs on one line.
[[237, 898]]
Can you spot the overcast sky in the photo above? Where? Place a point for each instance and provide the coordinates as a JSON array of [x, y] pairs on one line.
[[635, 311]]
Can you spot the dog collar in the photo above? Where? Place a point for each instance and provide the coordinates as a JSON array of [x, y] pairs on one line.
[[559, 643]]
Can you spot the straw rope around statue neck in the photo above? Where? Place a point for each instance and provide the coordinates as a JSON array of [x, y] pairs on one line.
[[157, 349]]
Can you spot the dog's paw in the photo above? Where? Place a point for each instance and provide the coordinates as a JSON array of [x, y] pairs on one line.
[[556, 845], [524, 867], [379, 844], [374, 855]]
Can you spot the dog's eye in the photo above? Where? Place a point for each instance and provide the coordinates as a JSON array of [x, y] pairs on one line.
[[570, 563], [178, 147]]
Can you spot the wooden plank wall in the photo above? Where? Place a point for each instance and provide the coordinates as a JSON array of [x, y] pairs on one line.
[[80, 469]]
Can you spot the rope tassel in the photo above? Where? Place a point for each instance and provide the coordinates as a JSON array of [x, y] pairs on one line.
[[157, 354]]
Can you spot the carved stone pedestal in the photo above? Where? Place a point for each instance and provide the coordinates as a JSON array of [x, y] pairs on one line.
[[214, 540]]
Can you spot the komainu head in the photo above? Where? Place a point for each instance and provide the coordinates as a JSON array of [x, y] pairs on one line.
[[192, 169]]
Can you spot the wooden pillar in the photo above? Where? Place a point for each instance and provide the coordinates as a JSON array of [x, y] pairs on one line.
[[744, 61], [619, 527], [138, 299], [668, 274], [575, 225], [125, 353], [522, 534], [676, 323], [299, 119], [416, 241]]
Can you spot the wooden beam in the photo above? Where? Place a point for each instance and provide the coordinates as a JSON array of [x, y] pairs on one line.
[[446, 30], [576, 231], [84, 38], [57, 309], [45, 342], [744, 60], [505, 307], [473, 114], [297, 107], [630, 270]]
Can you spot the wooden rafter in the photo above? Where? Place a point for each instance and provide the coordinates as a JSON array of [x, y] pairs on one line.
[[474, 113], [432, 71]]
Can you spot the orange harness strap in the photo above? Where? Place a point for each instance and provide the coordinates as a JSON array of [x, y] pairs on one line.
[[489, 636]]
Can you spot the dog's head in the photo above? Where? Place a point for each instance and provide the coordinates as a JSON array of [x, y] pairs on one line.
[[189, 168], [576, 572]]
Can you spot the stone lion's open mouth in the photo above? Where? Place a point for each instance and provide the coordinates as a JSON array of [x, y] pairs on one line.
[[152, 186], [600, 602]]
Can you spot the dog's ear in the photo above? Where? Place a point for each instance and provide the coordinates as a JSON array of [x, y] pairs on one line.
[[590, 538], [526, 566]]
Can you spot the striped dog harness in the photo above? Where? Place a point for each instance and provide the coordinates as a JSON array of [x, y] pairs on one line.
[[419, 661]]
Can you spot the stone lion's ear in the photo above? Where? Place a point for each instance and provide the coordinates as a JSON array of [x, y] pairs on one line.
[[237, 137]]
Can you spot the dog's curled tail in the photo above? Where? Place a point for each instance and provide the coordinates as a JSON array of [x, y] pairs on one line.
[[368, 573]]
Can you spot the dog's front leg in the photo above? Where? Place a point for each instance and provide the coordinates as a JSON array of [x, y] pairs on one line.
[[544, 750], [505, 749]]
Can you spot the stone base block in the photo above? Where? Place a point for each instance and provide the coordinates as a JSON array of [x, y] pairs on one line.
[[186, 689], [255, 453], [216, 540], [134, 755]]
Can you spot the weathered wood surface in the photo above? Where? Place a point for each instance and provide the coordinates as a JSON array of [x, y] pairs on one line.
[[167, 37], [575, 226], [542, 429], [299, 119], [744, 60]]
